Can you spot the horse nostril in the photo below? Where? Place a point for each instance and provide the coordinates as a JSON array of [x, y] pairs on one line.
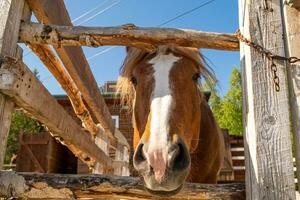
[[139, 155], [181, 160]]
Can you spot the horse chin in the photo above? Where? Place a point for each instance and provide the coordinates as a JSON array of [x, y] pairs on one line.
[[171, 184], [163, 193]]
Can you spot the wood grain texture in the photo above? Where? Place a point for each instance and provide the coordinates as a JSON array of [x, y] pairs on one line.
[[10, 19], [268, 153], [292, 31], [28, 92], [10, 16], [54, 12], [126, 35], [6, 109], [49, 59], [28, 185], [56, 68]]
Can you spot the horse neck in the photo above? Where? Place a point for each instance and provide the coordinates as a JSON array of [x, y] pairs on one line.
[[209, 129], [209, 153]]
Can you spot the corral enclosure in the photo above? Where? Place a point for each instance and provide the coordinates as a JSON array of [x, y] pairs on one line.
[[268, 46]]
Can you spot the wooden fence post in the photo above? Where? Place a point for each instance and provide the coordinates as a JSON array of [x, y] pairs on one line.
[[6, 108], [102, 141], [268, 152], [10, 16], [292, 36], [125, 169]]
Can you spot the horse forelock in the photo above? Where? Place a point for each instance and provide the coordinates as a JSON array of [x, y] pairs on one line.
[[134, 56]]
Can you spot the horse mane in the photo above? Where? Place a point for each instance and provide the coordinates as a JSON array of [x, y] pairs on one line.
[[134, 55]]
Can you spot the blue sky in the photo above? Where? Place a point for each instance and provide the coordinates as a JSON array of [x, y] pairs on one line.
[[218, 16]]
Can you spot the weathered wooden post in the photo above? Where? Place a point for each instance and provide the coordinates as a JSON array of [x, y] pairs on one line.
[[102, 141], [269, 169], [292, 36], [10, 17]]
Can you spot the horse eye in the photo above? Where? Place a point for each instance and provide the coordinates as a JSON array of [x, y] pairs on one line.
[[133, 81], [196, 77]]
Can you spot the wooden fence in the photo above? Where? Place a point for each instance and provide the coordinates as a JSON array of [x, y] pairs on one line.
[[270, 89]]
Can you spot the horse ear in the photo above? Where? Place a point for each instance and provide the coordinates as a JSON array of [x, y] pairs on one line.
[[207, 95]]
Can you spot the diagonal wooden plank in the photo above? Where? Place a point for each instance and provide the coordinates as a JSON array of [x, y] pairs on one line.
[[54, 12], [27, 91]]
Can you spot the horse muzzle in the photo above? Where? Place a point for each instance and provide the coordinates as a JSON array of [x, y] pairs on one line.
[[164, 170]]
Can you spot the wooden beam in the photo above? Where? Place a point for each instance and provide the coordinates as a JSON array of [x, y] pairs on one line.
[[56, 186], [127, 35], [292, 31], [268, 152], [6, 109], [61, 75], [54, 12], [27, 91], [49, 59], [10, 17]]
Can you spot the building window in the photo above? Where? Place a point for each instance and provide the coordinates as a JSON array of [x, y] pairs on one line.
[[115, 119]]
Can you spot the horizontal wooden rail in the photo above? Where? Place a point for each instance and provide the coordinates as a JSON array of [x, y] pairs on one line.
[[127, 35], [18, 82], [54, 186]]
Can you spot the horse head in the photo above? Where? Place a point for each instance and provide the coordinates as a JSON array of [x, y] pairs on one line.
[[162, 87]]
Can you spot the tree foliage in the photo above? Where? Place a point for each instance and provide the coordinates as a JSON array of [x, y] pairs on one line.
[[228, 110], [19, 123]]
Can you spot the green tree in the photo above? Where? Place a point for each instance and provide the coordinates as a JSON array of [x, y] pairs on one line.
[[232, 105], [20, 123], [228, 110]]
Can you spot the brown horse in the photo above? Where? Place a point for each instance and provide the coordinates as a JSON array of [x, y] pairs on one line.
[[175, 134]]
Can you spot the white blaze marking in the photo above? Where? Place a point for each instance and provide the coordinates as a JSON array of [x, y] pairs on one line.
[[160, 104]]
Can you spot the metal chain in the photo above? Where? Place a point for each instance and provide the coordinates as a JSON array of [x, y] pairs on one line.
[[269, 55]]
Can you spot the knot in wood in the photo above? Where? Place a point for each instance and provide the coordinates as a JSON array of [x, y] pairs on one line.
[[47, 29], [270, 120], [91, 41], [128, 27]]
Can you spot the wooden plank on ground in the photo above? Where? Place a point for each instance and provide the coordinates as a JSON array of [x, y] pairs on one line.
[[55, 186], [268, 153], [126, 35], [10, 16], [292, 31], [54, 12], [27, 91]]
